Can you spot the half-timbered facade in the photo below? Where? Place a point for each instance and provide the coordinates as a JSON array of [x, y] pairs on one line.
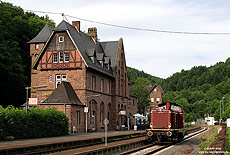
[[96, 70]]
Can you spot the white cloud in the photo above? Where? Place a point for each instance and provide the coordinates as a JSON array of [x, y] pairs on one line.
[[159, 54]]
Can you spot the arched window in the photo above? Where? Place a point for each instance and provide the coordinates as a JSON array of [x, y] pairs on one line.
[[102, 85], [92, 113], [109, 108], [101, 112]]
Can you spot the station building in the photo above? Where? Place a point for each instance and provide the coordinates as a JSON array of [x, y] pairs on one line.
[[80, 72]]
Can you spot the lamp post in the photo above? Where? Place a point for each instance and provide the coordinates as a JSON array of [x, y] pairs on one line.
[[220, 113], [86, 111], [27, 93], [223, 103]]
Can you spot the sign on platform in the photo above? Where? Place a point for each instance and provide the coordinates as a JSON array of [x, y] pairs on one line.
[[33, 101], [122, 113], [106, 121]]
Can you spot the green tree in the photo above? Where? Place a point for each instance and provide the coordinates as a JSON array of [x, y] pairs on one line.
[[139, 89], [17, 28], [134, 74]]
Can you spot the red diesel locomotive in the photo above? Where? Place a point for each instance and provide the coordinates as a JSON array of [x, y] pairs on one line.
[[166, 123]]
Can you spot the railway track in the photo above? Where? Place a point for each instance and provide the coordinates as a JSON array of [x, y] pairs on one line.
[[117, 144], [155, 148], [54, 144], [135, 145]]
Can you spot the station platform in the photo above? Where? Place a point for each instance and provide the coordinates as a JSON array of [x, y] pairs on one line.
[[78, 138]]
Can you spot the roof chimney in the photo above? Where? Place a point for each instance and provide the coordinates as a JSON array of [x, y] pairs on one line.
[[76, 24], [92, 32]]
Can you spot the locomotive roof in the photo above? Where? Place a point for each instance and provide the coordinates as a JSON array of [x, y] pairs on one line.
[[162, 104]]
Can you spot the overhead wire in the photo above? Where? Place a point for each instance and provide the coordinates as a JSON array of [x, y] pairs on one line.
[[133, 28]]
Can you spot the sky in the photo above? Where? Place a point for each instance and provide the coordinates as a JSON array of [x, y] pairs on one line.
[[158, 54]]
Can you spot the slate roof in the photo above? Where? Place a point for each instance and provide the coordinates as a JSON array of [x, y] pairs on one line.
[[110, 48], [63, 94], [43, 35], [87, 47]]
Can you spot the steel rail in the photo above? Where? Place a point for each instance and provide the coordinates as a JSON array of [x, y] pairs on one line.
[[148, 149]]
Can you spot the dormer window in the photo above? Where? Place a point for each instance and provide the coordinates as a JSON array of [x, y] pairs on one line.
[[92, 59], [101, 62], [61, 39]]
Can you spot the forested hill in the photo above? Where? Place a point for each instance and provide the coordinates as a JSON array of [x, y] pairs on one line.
[[198, 76], [200, 90], [134, 74]]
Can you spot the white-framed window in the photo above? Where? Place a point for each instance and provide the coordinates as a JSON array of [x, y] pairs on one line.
[[66, 57], [55, 57], [50, 78], [58, 80], [152, 99], [61, 39], [36, 46], [155, 90], [60, 56], [158, 99], [102, 85], [64, 77]]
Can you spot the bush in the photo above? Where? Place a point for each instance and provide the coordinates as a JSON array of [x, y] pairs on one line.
[[33, 124]]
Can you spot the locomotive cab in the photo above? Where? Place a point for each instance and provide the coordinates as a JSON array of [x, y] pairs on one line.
[[166, 123]]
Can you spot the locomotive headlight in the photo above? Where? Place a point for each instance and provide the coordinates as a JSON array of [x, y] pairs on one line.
[[169, 125], [151, 125]]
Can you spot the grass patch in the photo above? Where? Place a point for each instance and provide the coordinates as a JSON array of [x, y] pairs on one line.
[[207, 139], [228, 139]]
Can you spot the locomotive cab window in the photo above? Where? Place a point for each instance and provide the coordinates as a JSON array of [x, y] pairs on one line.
[[175, 108], [163, 107]]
